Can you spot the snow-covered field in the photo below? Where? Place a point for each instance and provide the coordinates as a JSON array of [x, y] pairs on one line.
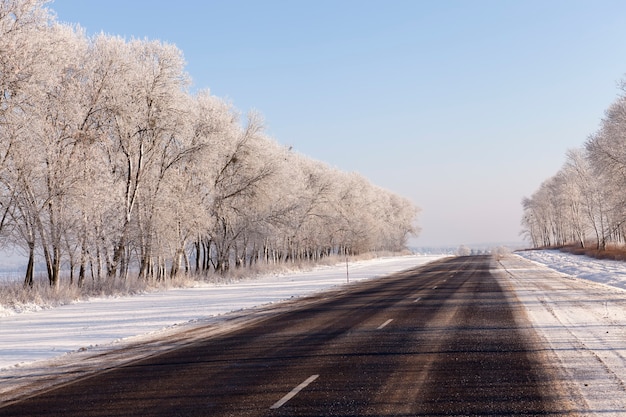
[[578, 316]]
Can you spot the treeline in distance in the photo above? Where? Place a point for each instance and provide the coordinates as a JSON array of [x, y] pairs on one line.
[[584, 203]]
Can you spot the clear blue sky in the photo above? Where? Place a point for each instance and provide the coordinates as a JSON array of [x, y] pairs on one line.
[[464, 107]]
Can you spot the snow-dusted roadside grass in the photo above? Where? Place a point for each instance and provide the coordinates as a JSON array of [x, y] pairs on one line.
[[15, 298], [582, 322]]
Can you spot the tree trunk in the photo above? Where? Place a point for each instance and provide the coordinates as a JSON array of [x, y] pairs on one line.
[[56, 267], [176, 264], [83, 262], [30, 268], [186, 261], [197, 246]]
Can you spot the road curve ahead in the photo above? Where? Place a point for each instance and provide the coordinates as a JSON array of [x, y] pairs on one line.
[[440, 340]]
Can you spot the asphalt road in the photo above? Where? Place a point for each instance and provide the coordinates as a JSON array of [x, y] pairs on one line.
[[444, 339]]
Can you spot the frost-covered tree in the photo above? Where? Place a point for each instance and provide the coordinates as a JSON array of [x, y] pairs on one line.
[[57, 136], [239, 176], [143, 139], [24, 48], [587, 197]]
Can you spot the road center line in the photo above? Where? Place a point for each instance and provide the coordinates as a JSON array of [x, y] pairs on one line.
[[384, 324], [294, 392]]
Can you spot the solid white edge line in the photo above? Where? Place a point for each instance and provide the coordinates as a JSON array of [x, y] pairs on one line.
[[384, 324], [294, 392]]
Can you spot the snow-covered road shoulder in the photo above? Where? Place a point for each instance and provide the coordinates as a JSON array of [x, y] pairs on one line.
[[581, 321]]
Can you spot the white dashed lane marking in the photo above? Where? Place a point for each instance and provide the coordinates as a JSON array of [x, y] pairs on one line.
[[384, 324], [294, 392]]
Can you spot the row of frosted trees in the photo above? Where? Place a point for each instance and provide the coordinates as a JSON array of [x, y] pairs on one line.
[[110, 167], [585, 202]]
